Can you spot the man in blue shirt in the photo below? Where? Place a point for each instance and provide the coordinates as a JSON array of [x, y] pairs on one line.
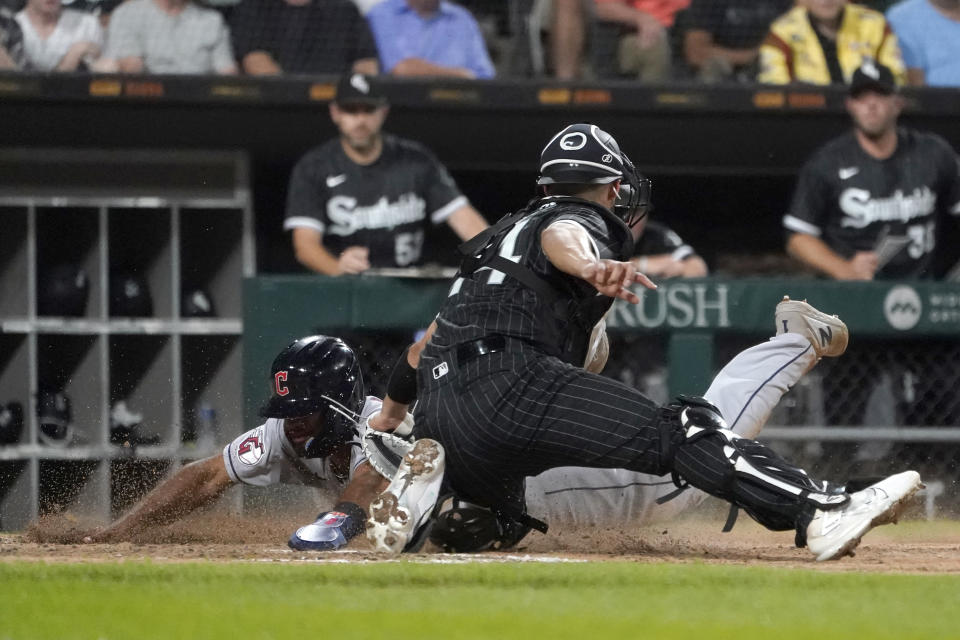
[[429, 38], [929, 36]]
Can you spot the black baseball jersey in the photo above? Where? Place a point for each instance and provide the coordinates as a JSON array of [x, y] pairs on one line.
[[853, 201], [737, 24], [489, 302], [385, 206], [658, 239], [316, 37]]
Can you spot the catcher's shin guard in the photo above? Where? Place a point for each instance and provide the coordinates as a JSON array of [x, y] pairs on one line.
[[399, 516], [744, 472]]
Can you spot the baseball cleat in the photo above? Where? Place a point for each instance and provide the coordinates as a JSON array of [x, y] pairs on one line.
[[828, 334], [836, 533], [398, 513]]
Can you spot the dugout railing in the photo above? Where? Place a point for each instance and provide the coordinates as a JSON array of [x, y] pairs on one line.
[[892, 400]]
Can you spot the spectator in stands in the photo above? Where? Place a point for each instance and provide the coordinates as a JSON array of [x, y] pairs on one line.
[[871, 203], [169, 36], [302, 36], [644, 47], [429, 38], [929, 35], [58, 39], [11, 41], [723, 37], [825, 41], [366, 198], [568, 36]]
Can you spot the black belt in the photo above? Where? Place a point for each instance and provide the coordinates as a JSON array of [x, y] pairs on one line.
[[467, 351]]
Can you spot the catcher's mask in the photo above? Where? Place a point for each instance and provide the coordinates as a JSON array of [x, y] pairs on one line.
[[586, 154], [462, 527], [631, 206], [318, 374]]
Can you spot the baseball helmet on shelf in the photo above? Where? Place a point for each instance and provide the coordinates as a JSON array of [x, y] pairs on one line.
[[196, 303], [54, 417], [63, 291], [318, 374], [129, 295], [11, 422], [586, 154]]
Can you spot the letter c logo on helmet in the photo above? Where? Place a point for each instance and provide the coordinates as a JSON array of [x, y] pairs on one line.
[[573, 141], [281, 377]]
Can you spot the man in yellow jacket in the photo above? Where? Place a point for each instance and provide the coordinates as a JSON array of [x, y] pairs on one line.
[[825, 41]]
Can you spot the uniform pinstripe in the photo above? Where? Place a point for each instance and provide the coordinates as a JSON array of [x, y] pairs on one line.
[[530, 406]]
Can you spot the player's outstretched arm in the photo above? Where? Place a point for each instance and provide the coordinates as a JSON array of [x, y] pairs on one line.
[[402, 386], [569, 248], [335, 528], [196, 485]]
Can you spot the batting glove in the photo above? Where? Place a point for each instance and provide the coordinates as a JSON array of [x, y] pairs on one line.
[[331, 530]]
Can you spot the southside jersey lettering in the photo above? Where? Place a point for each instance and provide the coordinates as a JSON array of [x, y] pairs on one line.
[[851, 200], [386, 206]]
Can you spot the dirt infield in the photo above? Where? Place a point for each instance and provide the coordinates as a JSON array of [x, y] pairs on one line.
[[913, 546]]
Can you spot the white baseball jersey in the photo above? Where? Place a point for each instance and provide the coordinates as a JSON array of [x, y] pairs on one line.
[[264, 456], [746, 391]]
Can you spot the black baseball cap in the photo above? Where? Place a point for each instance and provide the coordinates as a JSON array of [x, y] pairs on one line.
[[356, 88], [872, 76]]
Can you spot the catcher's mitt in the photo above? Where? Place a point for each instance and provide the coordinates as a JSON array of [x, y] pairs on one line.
[[385, 451]]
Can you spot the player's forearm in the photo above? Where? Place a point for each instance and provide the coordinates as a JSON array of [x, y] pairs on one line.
[[365, 485], [195, 485], [694, 267], [317, 258], [466, 222], [568, 248], [402, 384], [815, 253]]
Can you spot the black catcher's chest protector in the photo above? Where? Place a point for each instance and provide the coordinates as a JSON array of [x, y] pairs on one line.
[[565, 308]]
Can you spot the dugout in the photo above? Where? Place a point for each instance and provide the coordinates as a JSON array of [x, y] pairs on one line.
[[719, 155], [722, 159]]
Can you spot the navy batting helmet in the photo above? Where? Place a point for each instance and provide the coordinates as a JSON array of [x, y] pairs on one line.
[[318, 373]]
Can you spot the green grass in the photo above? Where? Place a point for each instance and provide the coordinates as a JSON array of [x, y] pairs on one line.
[[598, 601]]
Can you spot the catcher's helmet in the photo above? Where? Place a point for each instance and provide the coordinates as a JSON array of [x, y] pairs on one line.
[[586, 154], [318, 373], [63, 291], [581, 154], [129, 295]]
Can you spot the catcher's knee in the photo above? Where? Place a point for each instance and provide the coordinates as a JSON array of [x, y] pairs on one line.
[[741, 462]]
